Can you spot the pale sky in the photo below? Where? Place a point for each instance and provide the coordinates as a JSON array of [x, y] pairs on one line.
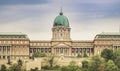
[[35, 18]]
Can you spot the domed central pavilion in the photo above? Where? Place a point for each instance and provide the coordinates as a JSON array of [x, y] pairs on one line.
[[61, 30]]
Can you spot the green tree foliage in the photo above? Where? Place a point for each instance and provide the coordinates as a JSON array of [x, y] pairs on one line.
[[17, 66], [20, 62], [117, 61], [110, 66], [85, 65], [107, 54], [85, 54], [9, 60], [38, 54], [97, 64], [51, 61], [65, 68], [71, 67], [72, 63], [79, 55], [14, 67], [116, 58], [3, 68], [47, 67]]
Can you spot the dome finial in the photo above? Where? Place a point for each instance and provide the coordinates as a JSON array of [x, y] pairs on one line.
[[61, 13]]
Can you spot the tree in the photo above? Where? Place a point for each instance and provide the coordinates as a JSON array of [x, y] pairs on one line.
[[97, 64], [85, 64], [116, 57], [85, 54], [79, 55], [3, 68], [9, 60], [38, 54], [72, 63], [107, 54], [73, 66], [19, 65], [110, 66], [65, 68], [14, 67], [116, 53], [51, 61], [117, 61]]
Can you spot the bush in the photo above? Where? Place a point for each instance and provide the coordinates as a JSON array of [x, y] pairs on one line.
[[107, 54], [79, 56], [46, 67], [38, 54], [85, 55], [36, 69], [65, 68], [3, 68], [85, 64]]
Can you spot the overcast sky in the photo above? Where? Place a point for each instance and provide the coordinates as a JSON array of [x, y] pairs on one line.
[[35, 17]]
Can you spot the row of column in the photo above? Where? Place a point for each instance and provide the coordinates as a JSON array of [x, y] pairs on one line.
[[5, 52], [62, 51], [42, 50], [82, 51], [13, 52], [73, 51], [116, 47], [20, 50]]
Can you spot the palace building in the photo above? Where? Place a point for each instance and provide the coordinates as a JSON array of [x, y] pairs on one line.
[[18, 45]]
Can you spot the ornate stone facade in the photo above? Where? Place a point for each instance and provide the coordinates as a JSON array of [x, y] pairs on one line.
[[14, 45], [18, 45]]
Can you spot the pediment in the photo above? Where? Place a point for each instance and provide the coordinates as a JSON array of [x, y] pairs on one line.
[[61, 45]]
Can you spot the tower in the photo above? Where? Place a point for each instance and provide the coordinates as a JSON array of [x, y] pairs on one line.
[[61, 28]]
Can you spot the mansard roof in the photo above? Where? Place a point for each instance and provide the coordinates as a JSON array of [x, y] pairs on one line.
[[11, 33], [109, 33]]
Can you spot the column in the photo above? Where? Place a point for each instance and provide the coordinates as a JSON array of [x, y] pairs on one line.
[[56, 52], [52, 50], [6, 51], [65, 50], [68, 51], [90, 52], [59, 51], [10, 51]]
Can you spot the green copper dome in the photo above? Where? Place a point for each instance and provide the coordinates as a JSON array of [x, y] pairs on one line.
[[61, 20]]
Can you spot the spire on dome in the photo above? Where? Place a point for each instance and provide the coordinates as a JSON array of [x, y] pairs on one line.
[[61, 13]]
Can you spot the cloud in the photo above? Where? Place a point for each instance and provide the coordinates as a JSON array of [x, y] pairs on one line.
[[22, 2], [87, 17]]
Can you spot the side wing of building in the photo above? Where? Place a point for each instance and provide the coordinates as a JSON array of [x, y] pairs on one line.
[[110, 40], [14, 45]]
